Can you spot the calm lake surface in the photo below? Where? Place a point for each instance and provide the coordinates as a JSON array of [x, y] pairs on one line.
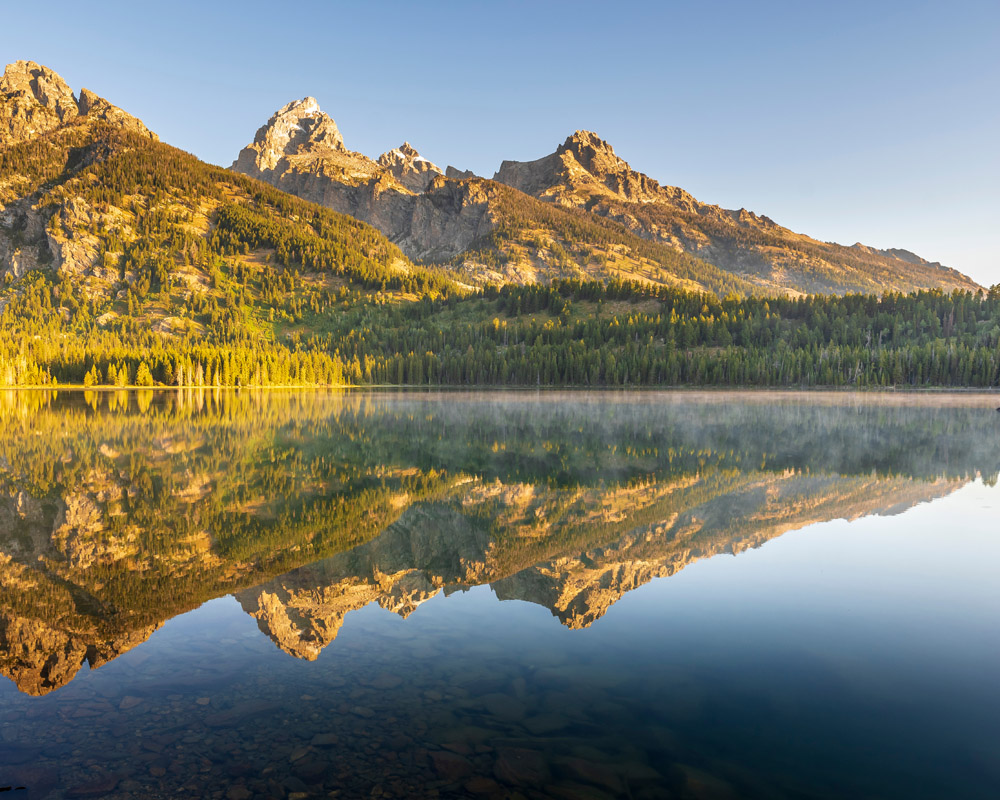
[[509, 595]]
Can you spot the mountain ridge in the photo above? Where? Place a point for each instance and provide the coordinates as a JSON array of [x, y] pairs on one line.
[[584, 175], [585, 172]]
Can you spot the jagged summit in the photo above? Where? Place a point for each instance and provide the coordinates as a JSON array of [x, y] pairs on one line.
[[26, 80], [406, 197], [581, 167], [592, 152], [402, 194], [296, 126], [35, 100], [405, 152], [410, 168]]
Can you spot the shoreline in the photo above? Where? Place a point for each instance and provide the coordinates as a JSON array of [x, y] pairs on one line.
[[970, 395]]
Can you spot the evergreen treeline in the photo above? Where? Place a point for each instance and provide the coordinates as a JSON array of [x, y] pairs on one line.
[[569, 333], [619, 334]]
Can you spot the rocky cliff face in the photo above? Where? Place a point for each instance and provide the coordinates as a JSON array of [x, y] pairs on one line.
[[409, 168], [299, 135], [404, 195], [34, 100], [35, 103], [581, 167]]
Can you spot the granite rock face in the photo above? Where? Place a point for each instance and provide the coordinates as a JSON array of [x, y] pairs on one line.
[[582, 166], [404, 195], [296, 127], [410, 168], [34, 101]]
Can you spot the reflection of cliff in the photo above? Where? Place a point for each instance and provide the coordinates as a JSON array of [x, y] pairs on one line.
[[120, 511], [44, 639], [428, 549], [434, 548]]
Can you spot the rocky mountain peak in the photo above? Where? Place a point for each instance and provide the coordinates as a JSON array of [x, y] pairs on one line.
[[297, 125], [587, 146], [26, 79], [410, 168], [405, 152], [35, 100], [581, 167], [599, 160]]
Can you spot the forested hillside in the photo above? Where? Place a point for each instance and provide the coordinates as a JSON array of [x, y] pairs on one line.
[[627, 334], [124, 261]]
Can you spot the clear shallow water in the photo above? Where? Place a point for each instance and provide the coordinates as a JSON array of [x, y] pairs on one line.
[[524, 595]]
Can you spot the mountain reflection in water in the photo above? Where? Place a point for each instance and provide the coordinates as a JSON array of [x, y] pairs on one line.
[[121, 510]]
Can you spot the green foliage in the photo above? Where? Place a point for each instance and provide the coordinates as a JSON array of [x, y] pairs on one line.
[[220, 280], [622, 334]]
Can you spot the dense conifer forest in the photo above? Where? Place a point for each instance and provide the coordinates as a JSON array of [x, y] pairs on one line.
[[565, 334]]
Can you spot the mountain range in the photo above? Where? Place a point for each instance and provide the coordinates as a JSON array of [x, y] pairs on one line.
[[125, 261], [80, 180], [607, 218]]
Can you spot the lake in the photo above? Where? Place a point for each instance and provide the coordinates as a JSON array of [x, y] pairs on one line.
[[529, 595]]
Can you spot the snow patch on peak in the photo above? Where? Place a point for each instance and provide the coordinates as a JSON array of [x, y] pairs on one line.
[[305, 107]]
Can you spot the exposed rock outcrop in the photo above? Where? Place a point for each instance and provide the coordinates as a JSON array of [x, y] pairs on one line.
[[405, 196], [410, 168], [34, 100], [299, 128], [582, 166]]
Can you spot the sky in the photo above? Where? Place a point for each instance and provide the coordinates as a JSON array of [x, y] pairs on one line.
[[852, 121]]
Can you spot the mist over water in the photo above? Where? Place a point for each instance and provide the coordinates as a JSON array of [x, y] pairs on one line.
[[539, 595]]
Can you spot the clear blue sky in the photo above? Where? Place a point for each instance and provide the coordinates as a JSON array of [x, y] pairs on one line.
[[851, 121]]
